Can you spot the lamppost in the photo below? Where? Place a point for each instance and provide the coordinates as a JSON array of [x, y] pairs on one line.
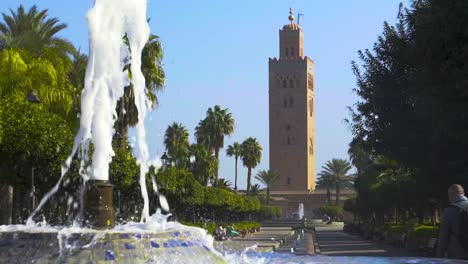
[[166, 161], [33, 98]]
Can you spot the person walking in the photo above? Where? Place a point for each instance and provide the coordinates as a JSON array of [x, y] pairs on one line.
[[453, 236]]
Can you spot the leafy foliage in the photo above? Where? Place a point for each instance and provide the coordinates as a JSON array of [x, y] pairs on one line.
[[268, 178], [210, 131], [251, 152], [413, 95], [335, 173], [177, 144]]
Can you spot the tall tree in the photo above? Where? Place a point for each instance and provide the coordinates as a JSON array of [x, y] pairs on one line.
[[336, 173], [177, 144], [251, 155], [235, 151], [211, 130], [413, 91], [33, 31], [327, 183], [204, 164], [268, 178], [152, 69]]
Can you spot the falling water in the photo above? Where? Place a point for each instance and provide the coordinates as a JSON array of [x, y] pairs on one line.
[[300, 211], [108, 22]]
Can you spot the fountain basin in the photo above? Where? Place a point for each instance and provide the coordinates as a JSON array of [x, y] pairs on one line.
[[97, 246]]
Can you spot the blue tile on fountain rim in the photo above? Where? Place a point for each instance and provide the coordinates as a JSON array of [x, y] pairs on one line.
[[206, 247], [129, 246], [107, 245], [154, 244], [173, 243], [183, 244], [166, 245], [109, 255], [124, 236], [176, 234], [138, 236]]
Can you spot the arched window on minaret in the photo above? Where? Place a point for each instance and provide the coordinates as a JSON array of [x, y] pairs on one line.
[[292, 51], [291, 83], [285, 83], [286, 52], [311, 147], [311, 106], [291, 101], [285, 102]]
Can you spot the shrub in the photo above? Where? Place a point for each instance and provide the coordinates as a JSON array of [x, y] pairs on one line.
[[333, 211], [269, 212]]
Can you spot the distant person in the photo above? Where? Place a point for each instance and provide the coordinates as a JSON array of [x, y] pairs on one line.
[[453, 232]]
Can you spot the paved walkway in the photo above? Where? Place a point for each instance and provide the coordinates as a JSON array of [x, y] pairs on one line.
[[337, 243], [267, 240]]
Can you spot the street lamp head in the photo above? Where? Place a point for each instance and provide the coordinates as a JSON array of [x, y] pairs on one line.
[[165, 160], [32, 97], [117, 136]]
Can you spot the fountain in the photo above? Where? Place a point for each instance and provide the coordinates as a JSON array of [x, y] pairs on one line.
[[300, 211], [153, 239]]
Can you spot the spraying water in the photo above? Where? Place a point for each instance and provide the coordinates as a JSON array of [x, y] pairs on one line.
[[108, 22]]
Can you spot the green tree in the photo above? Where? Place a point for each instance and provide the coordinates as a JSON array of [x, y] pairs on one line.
[[407, 85], [251, 155], [152, 69], [31, 137], [234, 150], [336, 172], [327, 183], [211, 130], [177, 144], [33, 31], [20, 72], [222, 184], [268, 178], [204, 164], [255, 190]]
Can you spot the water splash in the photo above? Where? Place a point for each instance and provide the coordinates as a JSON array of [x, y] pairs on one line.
[[108, 22]]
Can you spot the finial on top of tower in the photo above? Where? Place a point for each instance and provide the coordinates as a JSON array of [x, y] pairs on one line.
[[291, 16]]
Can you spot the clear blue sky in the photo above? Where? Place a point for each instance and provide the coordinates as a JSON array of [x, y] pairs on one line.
[[216, 52]]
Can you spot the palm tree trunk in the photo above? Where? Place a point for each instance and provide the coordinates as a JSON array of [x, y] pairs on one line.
[[328, 195], [235, 181], [337, 194], [268, 196], [249, 172], [217, 159]]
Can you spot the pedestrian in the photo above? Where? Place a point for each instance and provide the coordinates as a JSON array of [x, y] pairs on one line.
[[453, 237]]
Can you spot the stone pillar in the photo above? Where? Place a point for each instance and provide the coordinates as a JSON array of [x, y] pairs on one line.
[[98, 205]]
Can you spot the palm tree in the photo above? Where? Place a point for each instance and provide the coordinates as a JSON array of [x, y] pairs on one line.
[[234, 150], [222, 184], [336, 172], [326, 182], [151, 67], [251, 154], [28, 39], [255, 190], [268, 178], [204, 165], [177, 144], [211, 130], [32, 31]]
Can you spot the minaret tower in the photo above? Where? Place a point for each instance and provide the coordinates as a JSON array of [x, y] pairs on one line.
[[292, 125]]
